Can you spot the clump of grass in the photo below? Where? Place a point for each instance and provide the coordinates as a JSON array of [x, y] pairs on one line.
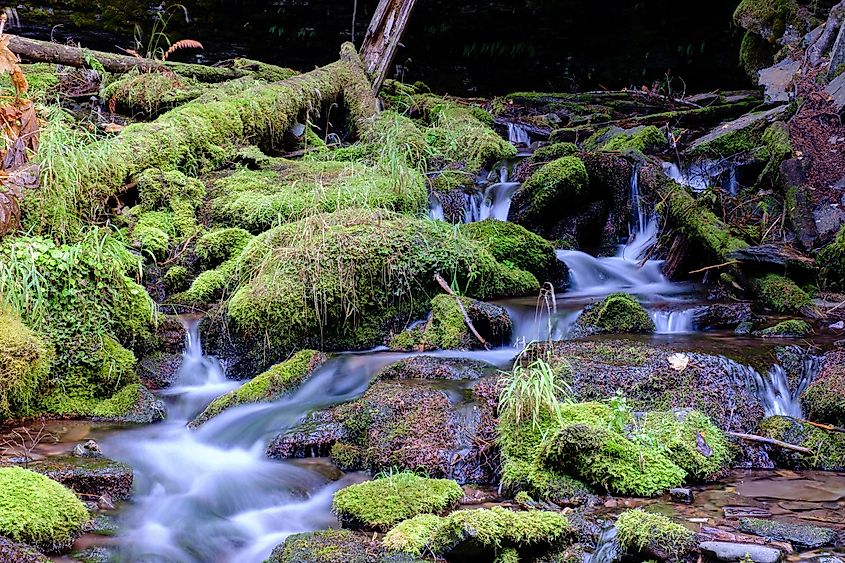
[[531, 391]]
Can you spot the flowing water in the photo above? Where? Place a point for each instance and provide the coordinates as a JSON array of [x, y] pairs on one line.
[[518, 135], [703, 174]]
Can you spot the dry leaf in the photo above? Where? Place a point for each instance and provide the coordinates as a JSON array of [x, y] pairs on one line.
[[113, 128], [678, 362]]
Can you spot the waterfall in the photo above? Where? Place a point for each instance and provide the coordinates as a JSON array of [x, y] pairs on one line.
[[643, 227], [493, 203], [518, 135], [435, 207], [773, 390], [673, 322], [702, 174]]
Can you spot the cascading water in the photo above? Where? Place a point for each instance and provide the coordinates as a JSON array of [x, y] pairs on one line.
[[494, 202], [673, 322], [703, 174], [518, 135], [435, 207]]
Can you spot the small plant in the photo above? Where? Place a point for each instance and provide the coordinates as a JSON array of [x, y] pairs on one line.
[[21, 442], [158, 45], [620, 412], [531, 391]]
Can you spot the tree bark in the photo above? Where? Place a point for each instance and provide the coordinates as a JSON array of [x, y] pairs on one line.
[[46, 52], [384, 35]]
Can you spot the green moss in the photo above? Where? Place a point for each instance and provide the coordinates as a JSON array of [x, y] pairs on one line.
[[498, 527], [328, 546], [176, 278], [679, 436], [553, 152], [157, 188], [644, 532], [24, 365], [781, 294], [382, 503], [831, 260], [150, 92], [823, 399], [42, 78], [617, 313], [217, 246], [396, 140], [561, 181], [78, 404], [514, 244], [755, 54], [38, 511], [264, 71], [413, 535], [827, 448], [766, 18], [346, 457], [274, 383], [446, 329], [647, 139], [792, 328], [449, 180], [204, 290]]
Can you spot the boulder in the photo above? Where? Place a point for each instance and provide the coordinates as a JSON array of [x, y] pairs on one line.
[[159, 370], [89, 476], [824, 399], [616, 314], [722, 315], [14, 552], [333, 546], [730, 552], [836, 90], [777, 80], [434, 367], [800, 536]]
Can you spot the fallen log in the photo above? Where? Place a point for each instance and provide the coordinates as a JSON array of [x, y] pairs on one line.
[[33, 50], [384, 35]]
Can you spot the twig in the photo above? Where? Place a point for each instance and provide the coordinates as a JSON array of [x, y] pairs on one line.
[[772, 441], [728, 263], [827, 427], [439, 279]]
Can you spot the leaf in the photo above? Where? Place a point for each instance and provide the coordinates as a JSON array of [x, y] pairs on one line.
[[9, 64], [678, 362]]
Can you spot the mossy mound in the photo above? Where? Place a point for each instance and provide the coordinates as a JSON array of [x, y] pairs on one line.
[[831, 260], [221, 245], [479, 533], [553, 152], [653, 535], [382, 503], [781, 294], [794, 328], [824, 399], [25, 360], [514, 244], [256, 200], [332, 546], [645, 139], [151, 92], [344, 280], [39, 511], [560, 182], [268, 386], [828, 448], [42, 78], [766, 18], [447, 329], [618, 313], [755, 54]]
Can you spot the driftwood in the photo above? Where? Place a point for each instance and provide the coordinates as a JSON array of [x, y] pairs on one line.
[[439, 279], [34, 50], [384, 35], [771, 441]]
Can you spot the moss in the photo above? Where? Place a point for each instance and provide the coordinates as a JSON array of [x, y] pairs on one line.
[[449, 180], [327, 546], [413, 535], [792, 328], [680, 436], [647, 139], [42, 79], [823, 399], [204, 290], [150, 235], [553, 152], [755, 54], [157, 188], [396, 140], [343, 280], [766, 18], [781, 294], [38, 511], [25, 360], [645, 532], [828, 448], [346, 456], [217, 246], [274, 383], [176, 278], [800, 536], [151, 92], [561, 181], [264, 71], [617, 313], [383, 503], [514, 244], [831, 260]]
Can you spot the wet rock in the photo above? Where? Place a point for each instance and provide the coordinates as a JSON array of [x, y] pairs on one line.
[[829, 219], [836, 90], [777, 80], [746, 122], [722, 315], [334, 546], [800, 536], [89, 449], [96, 554], [729, 552], [171, 334], [681, 494], [432, 367], [616, 314], [89, 476], [824, 399], [147, 410], [102, 525], [744, 328], [828, 447], [793, 328], [772, 256], [14, 552], [159, 370]]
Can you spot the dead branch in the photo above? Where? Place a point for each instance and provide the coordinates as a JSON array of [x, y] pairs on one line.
[[771, 441], [439, 279]]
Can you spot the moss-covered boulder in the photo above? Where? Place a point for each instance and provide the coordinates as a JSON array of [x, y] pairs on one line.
[[831, 261], [828, 448], [644, 139], [514, 244], [382, 503], [648, 534], [38, 511], [766, 18], [824, 399], [333, 546], [553, 152], [617, 314], [345, 280], [804, 537], [560, 182], [279, 380], [24, 365], [781, 294], [446, 328], [434, 367], [89, 476], [20, 553], [793, 328]]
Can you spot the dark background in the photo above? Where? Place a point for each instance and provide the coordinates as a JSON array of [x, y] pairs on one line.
[[472, 48]]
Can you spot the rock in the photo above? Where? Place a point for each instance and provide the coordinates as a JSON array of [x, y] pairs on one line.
[[618, 313], [839, 325], [89, 476], [837, 54], [334, 546], [777, 80], [722, 315], [433, 367], [89, 449], [171, 334], [730, 552], [14, 552], [681, 494], [744, 328], [793, 328], [836, 90], [750, 120], [159, 370], [829, 218], [828, 447], [773, 255], [801, 536], [823, 399]]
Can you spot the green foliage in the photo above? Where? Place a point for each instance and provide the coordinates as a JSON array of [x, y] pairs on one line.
[[176, 278], [449, 180], [617, 313], [792, 328], [831, 260], [41, 77], [38, 511], [413, 535], [24, 365], [822, 400], [646, 139], [781, 294], [828, 448], [446, 329], [677, 435], [150, 92], [562, 181], [530, 393], [382, 503], [268, 386], [645, 532], [553, 152], [397, 142], [512, 243]]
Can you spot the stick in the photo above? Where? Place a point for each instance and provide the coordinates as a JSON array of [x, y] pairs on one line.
[[827, 427], [439, 279], [772, 441], [722, 265]]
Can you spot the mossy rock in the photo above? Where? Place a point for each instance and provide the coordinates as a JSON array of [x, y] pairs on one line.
[[794, 328], [828, 448], [831, 260], [653, 535], [20, 553], [553, 152], [433, 367], [561, 181], [824, 399], [333, 546], [514, 244], [89, 476], [274, 383], [24, 365], [755, 54], [645, 139], [380, 504], [781, 294], [220, 245], [766, 18], [617, 314], [803, 537], [345, 280], [39, 511]]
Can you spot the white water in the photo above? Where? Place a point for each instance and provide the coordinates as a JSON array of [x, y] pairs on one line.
[[673, 322], [518, 135], [703, 174], [435, 207], [493, 203]]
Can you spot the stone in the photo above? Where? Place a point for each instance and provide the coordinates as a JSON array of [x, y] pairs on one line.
[[19, 553], [681, 494], [801, 536], [89, 449], [836, 90], [89, 476], [722, 315], [837, 54], [744, 122], [730, 552], [837, 325], [773, 255], [777, 80], [829, 219], [159, 370]]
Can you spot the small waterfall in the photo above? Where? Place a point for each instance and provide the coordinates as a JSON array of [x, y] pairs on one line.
[[472, 207], [493, 203], [673, 322], [435, 207], [773, 390], [518, 135], [643, 227], [702, 174]]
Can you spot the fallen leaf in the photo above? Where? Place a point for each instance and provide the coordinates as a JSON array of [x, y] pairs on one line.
[[678, 362]]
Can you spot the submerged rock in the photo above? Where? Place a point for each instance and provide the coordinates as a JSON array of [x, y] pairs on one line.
[[617, 313], [333, 546], [733, 552], [89, 476], [800, 536]]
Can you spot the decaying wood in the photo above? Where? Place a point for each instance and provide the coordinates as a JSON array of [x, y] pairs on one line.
[[383, 38], [817, 50], [33, 50], [771, 441], [439, 279]]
